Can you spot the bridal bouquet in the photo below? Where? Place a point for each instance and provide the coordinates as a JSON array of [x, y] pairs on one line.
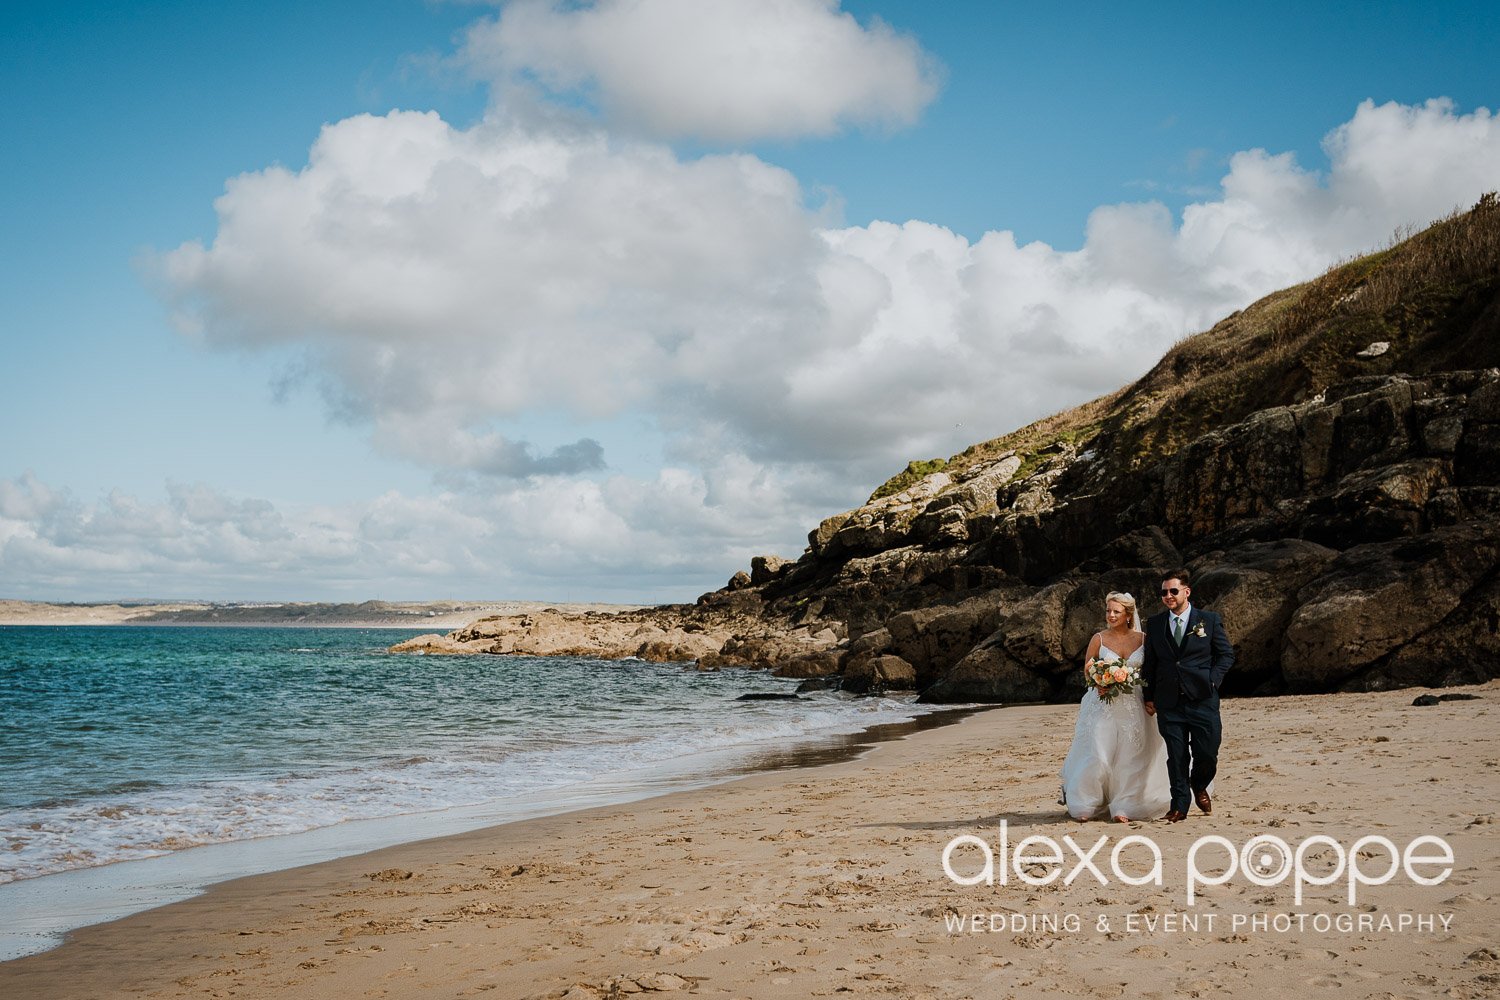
[[1111, 677]]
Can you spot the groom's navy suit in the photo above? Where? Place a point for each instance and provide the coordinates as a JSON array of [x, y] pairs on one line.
[[1183, 681]]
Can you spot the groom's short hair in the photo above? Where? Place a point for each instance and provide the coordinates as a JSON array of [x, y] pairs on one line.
[[1181, 575]]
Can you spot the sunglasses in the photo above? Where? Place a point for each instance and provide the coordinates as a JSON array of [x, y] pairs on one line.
[[1174, 591]]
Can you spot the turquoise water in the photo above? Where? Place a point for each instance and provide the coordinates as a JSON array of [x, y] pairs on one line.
[[131, 742]]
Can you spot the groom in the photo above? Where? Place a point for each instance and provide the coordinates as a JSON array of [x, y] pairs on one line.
[[1187, 655]]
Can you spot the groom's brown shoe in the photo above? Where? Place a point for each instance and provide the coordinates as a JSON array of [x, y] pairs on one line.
[[1204, 802], [1174, 816]]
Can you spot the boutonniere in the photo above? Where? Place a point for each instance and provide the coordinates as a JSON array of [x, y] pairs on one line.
[[1197, 630]]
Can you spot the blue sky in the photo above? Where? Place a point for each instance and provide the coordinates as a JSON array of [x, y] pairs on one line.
[[268, 455]]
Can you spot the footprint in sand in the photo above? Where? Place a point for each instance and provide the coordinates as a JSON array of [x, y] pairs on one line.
[[1465, 899], [404, 969], [1366, 974], [1034, 941]]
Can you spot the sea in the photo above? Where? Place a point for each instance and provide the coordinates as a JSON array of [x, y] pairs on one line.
[[139, 764]]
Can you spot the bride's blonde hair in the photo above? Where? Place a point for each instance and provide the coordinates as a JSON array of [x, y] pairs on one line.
[[1128, 602]]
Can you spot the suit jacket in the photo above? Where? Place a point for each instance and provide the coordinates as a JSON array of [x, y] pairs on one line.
[[1174, 674]]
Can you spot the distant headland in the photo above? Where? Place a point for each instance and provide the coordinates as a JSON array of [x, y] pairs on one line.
[[366, 614]]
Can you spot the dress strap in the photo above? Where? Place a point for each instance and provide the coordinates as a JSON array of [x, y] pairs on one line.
[[1116, 653]]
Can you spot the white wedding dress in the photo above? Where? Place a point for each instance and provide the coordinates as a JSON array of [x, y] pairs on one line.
[[1117, 765]]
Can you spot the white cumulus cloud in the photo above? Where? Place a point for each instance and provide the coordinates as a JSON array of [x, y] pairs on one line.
[[665, 538], [577, 266], [445, 281], [721, 70]]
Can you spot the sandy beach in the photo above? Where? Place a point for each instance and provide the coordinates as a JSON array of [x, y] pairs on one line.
[[829, 880], [43, 613]]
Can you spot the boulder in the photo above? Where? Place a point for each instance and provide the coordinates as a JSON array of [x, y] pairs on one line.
[[678, 646], [1463, 648], [816, 664], [1378, 596], [1031, 632], [1255, 587], [1022, 659], [764, 569], [820, 536], [878, 674], [944, 526], [769, 650], [712, 662], [743, 601], [876, 641], [1440, 424], [811, 612], [989, 674], [908, 632], [933, 639]]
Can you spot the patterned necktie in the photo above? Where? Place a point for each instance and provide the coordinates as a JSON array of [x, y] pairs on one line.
[[1177, 631]]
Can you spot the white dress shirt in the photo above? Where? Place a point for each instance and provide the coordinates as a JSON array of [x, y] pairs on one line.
[[1187, 610]]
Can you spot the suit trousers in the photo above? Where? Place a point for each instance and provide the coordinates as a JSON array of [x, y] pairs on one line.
[[1192, 732]]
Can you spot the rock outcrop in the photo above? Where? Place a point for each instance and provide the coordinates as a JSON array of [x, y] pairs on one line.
[[671, 634], [1349, 542]]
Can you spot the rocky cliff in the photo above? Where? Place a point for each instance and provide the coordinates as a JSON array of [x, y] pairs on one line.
[[1326, 462]]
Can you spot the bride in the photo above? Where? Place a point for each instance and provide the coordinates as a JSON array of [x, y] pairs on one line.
[[1117, 765]]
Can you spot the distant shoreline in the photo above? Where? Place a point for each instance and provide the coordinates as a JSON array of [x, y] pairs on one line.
[[393, 626], [432, 615]]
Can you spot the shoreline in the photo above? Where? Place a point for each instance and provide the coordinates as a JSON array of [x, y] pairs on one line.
[[815, 880], [80, 898]]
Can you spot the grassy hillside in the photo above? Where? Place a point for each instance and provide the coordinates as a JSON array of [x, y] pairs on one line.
[[1432, 297]]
